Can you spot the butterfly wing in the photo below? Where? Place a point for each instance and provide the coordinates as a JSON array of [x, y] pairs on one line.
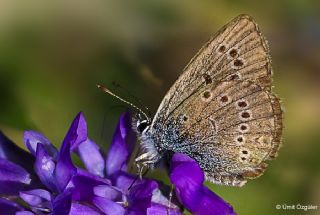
[[231, 129], [237, 51], [222, 105]]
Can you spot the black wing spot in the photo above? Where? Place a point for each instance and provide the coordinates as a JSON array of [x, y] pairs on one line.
[[238, 63], [222, 48], [207, 79]]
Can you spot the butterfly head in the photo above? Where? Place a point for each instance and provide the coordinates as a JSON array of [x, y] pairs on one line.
[[143, 123], [143, 117]]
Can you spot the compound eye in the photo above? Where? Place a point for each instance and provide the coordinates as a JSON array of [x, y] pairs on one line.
[[141, 126]]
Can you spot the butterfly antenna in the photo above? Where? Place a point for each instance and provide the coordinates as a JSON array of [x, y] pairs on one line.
[[106, 90], [134, 97]]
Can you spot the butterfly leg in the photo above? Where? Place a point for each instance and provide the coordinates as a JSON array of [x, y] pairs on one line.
[[140, 168], [148, 159], [170, 199]]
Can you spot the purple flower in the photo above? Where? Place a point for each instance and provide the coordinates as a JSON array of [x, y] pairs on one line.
[[197, 198], [45, 181], [57, 186]]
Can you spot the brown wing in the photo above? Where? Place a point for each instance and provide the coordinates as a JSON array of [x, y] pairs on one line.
[[237, 51], [224, 96], [237, 127]]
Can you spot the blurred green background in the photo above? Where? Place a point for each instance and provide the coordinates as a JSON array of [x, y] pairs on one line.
[[52, 53]]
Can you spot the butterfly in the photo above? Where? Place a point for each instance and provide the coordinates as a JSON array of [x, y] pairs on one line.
[[221, 111]]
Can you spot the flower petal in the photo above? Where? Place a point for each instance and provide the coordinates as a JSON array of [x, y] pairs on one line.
[[108, 207], [160, 204], [108, 192], [143, 189], [8, 207], [188, 179], [90, 154], [77, 134], [36, 197], [121, 147], [62, 203], [31, 140], [158, 209], [12, 177], [82, 185], [45, 167], [181, 165], [124, 180], [79, 209], [140, 196], [13, 153], [24, 213]]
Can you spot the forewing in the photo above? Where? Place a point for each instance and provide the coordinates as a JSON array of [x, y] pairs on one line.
[[237, 51]]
